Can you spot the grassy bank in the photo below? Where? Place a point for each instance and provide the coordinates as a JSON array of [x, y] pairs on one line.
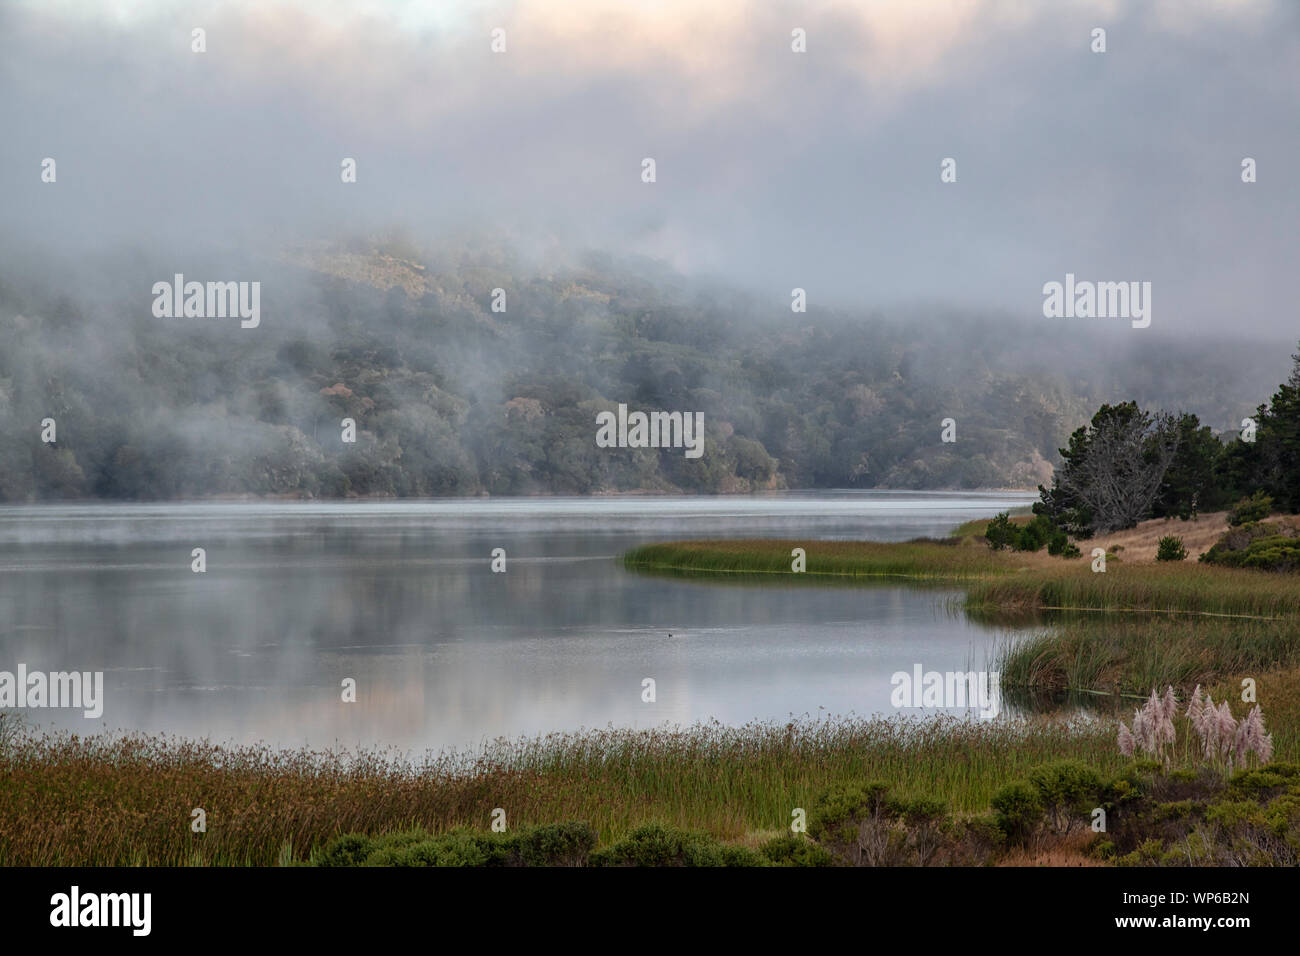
[[1177, 587], [946, 559], [996, 582]]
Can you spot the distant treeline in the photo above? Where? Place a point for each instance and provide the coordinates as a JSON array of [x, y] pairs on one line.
[[452, 397]]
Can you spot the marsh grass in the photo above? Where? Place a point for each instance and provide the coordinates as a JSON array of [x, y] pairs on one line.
[[999, 585], [1130, 655], [127, 799], [922, 558], [1168, 588]]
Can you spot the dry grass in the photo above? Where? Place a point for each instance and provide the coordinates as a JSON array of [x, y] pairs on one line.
[[1069, 850], [1139, 544]]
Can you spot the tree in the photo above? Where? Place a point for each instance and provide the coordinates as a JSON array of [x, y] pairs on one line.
[[1279, 443], [1112, 471], [1189, 484]]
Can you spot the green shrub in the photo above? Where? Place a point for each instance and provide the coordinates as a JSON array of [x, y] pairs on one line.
[[795, 851], [1017, 811], [1036, 533], [1255, 508], [1001, 533], [1067, 790], [351, 849], [837, 813], [457, 848], [557, 844], [653, 844], [1170, 549], [1259, 545]]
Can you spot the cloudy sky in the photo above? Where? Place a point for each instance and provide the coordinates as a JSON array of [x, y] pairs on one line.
[[774, 169]]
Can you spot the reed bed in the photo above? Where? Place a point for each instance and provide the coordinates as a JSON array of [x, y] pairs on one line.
[[1131, 655], [127, 799], [1171, 587]]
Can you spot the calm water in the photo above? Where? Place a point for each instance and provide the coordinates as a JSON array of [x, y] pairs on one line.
[[400, 596]]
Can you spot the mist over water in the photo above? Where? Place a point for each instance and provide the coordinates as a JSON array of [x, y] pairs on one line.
[[445, 653]]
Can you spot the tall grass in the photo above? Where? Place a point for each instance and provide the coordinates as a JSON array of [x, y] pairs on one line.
[[1191, 588], [122, 800], [1132, 655]]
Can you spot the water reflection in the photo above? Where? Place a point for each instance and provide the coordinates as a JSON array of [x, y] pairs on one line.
[[400, 597]]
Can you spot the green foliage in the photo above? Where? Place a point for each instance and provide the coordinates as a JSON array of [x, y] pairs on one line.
[[795, 851], [1259, 545], [1170, 548], [1133, 655], [1001, 532], [654, 844], [1190, 484], [1036, 533], [838, 812], [1040, 530], [557, 844], [351, 849], [1254, 508], [1018, 810], [1067, 790]]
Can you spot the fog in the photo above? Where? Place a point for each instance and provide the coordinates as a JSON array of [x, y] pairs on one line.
[[774, 169], [129, 158]]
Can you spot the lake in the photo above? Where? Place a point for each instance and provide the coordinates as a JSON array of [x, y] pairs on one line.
[[400, 597]]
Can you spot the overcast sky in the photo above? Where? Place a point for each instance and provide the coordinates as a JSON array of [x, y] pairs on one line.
[[775, 169]]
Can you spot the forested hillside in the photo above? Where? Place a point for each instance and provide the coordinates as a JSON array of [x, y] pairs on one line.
[[452, 398]]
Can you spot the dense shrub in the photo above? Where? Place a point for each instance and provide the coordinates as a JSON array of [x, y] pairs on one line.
[[654, 844], [852, 821], [795, 851], [1170, 549], [1018, 811], [1257, 507], [1262, 545], [1035, 534], [1067, 791], [1001, 533], [557, 844]]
